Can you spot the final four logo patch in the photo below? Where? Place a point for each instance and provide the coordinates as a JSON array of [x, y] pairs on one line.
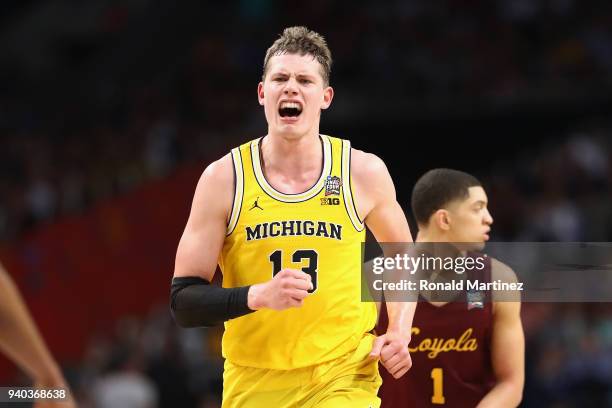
[[332, 185], [475, 300]]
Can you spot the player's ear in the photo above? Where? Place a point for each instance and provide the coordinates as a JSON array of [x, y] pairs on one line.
[[328, 95], [260, 93], [442, 219]]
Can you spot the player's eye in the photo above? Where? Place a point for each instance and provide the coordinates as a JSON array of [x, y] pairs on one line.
[[305, 81]]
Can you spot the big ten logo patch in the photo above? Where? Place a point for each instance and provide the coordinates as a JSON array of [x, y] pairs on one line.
[[330, 201]]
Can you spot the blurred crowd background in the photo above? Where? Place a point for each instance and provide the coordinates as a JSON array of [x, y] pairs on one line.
[[106, 105]]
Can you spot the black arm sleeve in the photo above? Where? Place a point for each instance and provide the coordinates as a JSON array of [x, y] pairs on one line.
[[195, 302]]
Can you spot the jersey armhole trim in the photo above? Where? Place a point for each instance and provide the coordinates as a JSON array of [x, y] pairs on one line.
[[238, 190], [347, 192]]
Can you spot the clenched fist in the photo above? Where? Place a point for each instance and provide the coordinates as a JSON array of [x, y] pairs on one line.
[[392, 349], [286, 289]]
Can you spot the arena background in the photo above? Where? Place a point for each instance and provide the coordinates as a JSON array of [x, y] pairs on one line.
[[110, 110]]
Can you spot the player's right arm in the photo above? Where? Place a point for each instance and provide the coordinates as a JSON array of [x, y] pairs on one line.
[[202, 239], [193, 300]]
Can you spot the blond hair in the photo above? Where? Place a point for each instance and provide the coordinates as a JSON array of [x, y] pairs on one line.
[[300, 40]]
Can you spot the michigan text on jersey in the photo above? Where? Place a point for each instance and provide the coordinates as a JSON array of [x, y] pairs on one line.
[[294, 228]]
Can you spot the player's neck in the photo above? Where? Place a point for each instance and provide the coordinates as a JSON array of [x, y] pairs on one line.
[[440, 246], [292, 157]]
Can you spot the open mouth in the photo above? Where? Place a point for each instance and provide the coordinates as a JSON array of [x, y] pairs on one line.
[[290, 110]]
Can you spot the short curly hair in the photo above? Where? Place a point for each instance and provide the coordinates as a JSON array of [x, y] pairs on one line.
[[300, 40]]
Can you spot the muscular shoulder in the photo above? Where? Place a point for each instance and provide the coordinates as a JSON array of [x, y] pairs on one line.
[[504, 299], [501, 271], [370, 174], [215, 188], [372, 184], [365, 166], [220, 171]]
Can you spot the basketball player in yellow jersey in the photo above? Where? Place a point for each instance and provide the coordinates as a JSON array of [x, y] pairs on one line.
[[284, 216]]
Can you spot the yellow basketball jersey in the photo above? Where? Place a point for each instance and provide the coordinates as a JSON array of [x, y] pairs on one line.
[[317, 231]]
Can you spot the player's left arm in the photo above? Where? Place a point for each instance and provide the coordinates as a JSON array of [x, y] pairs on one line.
[[377, 204], [21, 341], [507, 348]]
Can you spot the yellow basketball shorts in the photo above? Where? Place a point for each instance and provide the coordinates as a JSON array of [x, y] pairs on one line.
[[348, 381]]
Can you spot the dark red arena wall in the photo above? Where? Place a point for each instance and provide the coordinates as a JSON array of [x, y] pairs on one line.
[[82, 273]]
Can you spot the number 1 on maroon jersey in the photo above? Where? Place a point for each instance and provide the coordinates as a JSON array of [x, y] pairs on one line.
[[438, 390]]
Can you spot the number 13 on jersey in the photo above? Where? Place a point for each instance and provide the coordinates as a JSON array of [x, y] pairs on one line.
[[298, 257]]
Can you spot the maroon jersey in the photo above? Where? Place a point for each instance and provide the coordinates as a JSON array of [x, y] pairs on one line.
[[451, 353]]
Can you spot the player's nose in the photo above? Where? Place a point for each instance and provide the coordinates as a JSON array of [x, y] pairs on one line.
[[290, 87], [488, 218]]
